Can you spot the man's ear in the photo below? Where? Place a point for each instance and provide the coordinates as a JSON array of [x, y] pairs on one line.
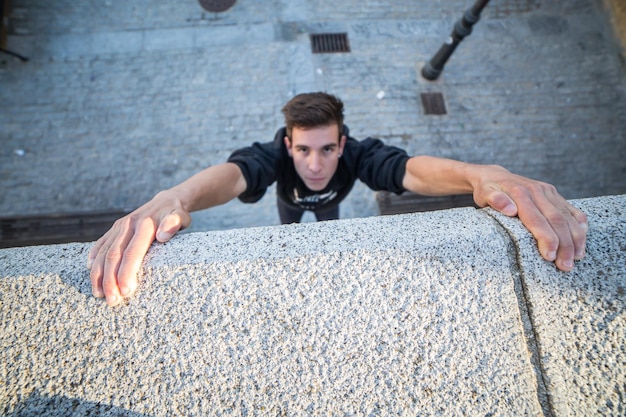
[[342, 144], [288, 146]]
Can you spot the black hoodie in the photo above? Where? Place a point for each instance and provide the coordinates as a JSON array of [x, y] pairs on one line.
[[379, 166]]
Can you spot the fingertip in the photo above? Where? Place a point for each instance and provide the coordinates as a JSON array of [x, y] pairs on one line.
[[113, 300], [127, 277], [168, 227], [581, 218], [127, 290], [503, 203], [509, 210], [163, 237], [565, 265], [96, 281]]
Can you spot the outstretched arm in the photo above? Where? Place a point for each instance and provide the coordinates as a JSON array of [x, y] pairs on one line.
[[116, 257], [559, 227]]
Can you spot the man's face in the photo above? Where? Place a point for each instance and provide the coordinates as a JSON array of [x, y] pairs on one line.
[[316, 154]]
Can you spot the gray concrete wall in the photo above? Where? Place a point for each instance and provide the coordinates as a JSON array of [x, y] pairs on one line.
[[443, 313]]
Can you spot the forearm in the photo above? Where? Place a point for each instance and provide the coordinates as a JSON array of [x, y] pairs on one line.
[[210, 187], [433, 176]]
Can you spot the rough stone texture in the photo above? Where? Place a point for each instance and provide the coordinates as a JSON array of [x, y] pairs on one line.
[[579, 318], [122, 99], [444, 313]]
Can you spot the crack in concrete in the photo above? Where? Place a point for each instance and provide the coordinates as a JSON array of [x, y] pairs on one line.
[[525, 310]]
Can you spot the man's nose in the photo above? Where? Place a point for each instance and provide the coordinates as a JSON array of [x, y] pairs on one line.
[[315, 162]]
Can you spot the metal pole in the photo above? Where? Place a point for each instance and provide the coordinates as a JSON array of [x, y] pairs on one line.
[[462, 28]]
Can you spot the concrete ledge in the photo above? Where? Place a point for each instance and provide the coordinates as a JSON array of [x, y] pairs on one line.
[[442, 313], [579, 318]]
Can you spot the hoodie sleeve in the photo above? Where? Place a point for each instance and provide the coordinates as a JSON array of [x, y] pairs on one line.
[[380, 166], [258, 164]]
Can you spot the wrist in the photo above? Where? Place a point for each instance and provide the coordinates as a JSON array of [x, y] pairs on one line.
[[477, 175], [172, 197]]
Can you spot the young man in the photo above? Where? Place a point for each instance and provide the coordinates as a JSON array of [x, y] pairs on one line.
[[315, 164]]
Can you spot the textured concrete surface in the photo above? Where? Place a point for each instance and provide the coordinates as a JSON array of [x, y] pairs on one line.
[[443, 313], [123, 99], [579, 319]]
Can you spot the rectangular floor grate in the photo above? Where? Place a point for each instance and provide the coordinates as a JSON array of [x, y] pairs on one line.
[[323, 43], [433, 104]]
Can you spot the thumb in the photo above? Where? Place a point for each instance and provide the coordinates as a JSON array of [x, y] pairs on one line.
[[170, 225], [501, 201]]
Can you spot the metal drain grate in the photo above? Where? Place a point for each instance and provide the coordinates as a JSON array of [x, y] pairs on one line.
[[433, 104], [323, 43]]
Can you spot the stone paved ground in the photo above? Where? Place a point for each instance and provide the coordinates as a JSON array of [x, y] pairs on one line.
[[122, 99]]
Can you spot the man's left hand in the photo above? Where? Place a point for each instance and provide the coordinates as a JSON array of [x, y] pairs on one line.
[[559, 227]]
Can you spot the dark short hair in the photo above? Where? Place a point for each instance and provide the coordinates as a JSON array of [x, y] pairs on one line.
[[311, 110]]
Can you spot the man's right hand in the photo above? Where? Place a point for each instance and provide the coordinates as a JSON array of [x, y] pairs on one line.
[[116, 257]]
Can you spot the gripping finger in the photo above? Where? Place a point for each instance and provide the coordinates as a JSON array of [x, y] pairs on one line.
[[133, 256], [538, 224], [93, 252], [568, 236], [171, 224], [578, 228], [109, 258], [95, 263]]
